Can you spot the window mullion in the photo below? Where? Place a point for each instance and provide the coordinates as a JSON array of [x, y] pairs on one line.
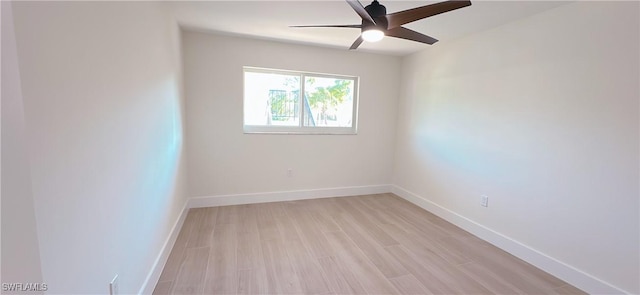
[[301, 100]]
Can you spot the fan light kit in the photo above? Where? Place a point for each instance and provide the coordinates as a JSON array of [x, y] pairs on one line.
[[376, 23], [373, 35]]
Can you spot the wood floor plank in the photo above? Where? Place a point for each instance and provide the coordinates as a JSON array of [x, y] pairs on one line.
[[227, 215], [438, 225], [267, 225], [321, 210], [249, 250], [340, 278], [191, 276], [202, 231], [406, 219], [423, 245], [247, 221], [371, 227], [433, 270], [527, 281], [417, 222], [276, 208], [520, 274], [353, 258], [325, 223], [172, 266], [331, 206], [252, 275], [494, 283], [281, 276], [310, 232], [421, 272], [252, 281], [287, 227], [163, 288], [247, 284], [386, 263], [415, 235], [408, 284], [308, 271], [374, 208], [222, 270]]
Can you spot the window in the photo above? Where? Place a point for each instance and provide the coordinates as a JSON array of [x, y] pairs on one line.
[[273, 102]]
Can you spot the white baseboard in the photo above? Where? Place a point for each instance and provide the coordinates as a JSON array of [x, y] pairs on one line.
[[557, 268], [153, 276], [239, 199]]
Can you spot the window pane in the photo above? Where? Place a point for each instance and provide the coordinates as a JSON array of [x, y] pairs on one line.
[[328, 102], [271, 99]]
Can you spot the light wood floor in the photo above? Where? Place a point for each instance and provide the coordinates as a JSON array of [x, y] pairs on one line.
[[378, 244]]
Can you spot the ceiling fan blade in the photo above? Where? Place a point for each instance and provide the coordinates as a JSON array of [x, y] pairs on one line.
[[329, 26], [397, 19], [357, 6], [404, 33], [356, 43]]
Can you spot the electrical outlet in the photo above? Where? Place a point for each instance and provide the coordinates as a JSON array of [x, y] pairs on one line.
[[484, 201], [113, 286], [289, 172]]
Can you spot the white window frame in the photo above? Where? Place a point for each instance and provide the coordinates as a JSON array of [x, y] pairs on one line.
[[301, 129]]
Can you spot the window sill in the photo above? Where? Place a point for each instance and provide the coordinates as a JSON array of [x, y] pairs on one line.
[[301, 131]]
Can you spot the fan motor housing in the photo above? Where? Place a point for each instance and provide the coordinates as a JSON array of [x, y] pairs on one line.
[[375, 9], [378, 12]]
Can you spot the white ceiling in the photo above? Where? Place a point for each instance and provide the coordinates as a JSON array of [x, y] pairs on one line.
[[271, 20]]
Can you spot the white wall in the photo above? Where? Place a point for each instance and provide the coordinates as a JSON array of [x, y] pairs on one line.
[[542, 116], [20, 251], [101, 86], [223, 160]]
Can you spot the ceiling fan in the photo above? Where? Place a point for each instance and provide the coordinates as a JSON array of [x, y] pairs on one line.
[[376, 23]]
